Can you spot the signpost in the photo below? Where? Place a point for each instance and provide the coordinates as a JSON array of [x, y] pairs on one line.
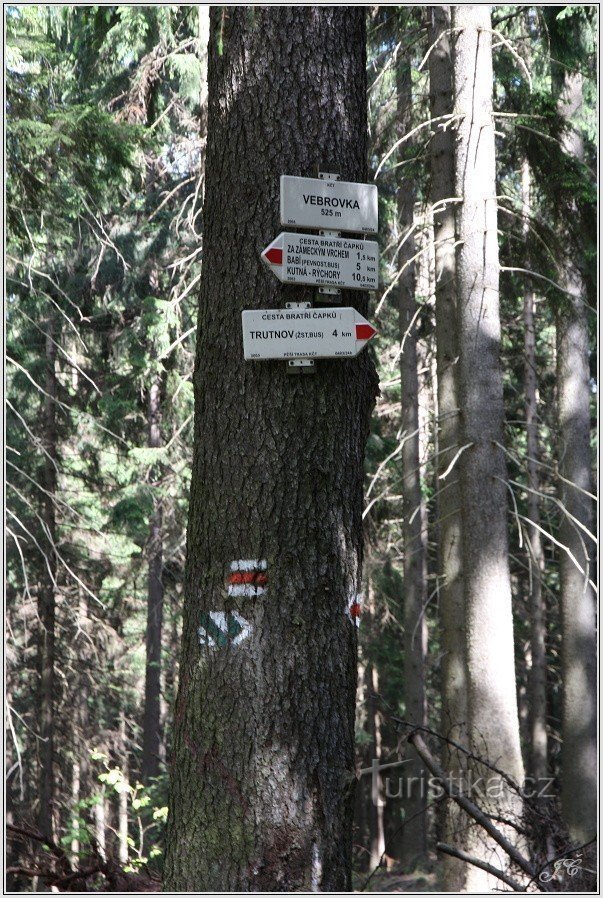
[[304, 333], [300, 333], [328, 204], [324, 261]]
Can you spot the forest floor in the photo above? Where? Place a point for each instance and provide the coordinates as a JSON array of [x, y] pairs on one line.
[[397, 881], [403, 882]]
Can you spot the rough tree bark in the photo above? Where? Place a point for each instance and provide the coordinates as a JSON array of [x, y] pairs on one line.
[[492, 700], [578, 603], [537, 682], [151, 744], [46, 595], [413, 836], [263, 761], [450, 584]]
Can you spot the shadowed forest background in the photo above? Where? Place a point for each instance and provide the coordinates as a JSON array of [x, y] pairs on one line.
[[106, 144]]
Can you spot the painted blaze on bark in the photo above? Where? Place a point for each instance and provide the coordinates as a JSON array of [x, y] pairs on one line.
[[263, 760]]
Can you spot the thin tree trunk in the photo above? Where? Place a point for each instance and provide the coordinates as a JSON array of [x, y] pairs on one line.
[[579, 729], [578, 604], [413, 836], [492, 700], [263, 760], [376, 827], [362, 798], [46, 600], [81, 711], [537, 680], [203, 24], [375, 811], [100, 820], [75, 797], [151, 747], [122, 829], [450, 571], [170, 682]]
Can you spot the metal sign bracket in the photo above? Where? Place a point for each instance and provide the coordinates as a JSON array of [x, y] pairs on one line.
[[332, 292], [300, 366]]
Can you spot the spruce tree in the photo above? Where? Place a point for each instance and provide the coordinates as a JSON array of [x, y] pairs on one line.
[[263, 762]]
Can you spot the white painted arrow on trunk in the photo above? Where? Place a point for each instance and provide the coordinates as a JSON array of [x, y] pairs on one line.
[[222, 628]]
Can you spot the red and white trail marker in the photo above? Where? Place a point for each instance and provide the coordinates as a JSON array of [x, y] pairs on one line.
[[324, 261], [304, 333]]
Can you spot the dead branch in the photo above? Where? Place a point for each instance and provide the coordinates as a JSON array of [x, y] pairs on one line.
[[468, 754], [468, 806], [37, 836], [65, 876], [483, 865]]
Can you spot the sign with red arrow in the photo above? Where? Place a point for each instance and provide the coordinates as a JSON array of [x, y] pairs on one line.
[[304, 333], [324, 261]]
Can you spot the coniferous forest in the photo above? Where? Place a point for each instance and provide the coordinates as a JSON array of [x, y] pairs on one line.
[[312, 623]]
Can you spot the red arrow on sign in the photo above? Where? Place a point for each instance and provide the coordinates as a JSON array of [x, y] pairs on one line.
[[365, 331], [274, 255]]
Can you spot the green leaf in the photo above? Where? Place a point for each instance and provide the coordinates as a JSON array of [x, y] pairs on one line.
[[160, 813], [98, 755]]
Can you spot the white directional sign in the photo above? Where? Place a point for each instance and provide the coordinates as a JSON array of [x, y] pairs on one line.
[[324, 261], [304, 333], [331, 205]]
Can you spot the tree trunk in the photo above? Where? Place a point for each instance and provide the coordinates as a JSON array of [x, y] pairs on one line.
[[413, 838], [376, 828], [375, 810], [81, 708], [362, 799], [100, 820], [170, 683], [46, 599], [450, 583], [263, 761], [203, 25], [579, 664], [537, 678], [122, 814], [151, 746], [492, 700], [578, 604], [75, 797]]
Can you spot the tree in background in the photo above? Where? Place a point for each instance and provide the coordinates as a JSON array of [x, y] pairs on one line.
[[454, 716], [414, 834], [579, 758], [491, 697]]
